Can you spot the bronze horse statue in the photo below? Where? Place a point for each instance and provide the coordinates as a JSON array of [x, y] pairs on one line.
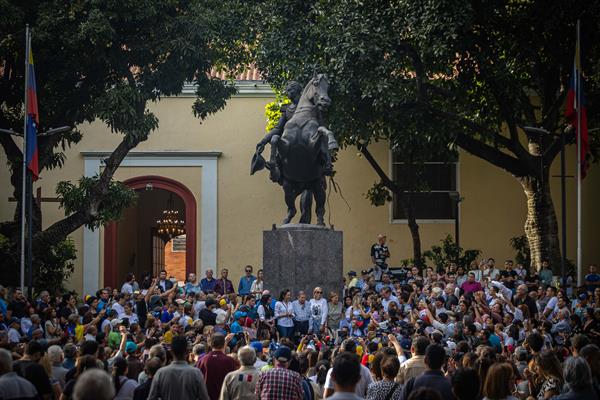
[[303, 153]]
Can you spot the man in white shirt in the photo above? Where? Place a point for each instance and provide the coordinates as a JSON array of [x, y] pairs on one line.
[[549, 310], [14, 336], [388, 298], [365, 380], [318, 311], [119, 306], [127, 287]]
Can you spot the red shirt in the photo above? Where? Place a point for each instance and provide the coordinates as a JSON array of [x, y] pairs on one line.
[[469, 287], [214, 366]]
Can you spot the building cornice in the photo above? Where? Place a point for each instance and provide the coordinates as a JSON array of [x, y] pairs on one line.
[[244, 89], [156, 154]]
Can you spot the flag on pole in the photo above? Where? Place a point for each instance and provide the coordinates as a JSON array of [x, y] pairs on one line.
[[32, 116], [577, 113]]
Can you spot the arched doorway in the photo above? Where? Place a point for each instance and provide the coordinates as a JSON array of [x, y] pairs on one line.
[[111, 231]]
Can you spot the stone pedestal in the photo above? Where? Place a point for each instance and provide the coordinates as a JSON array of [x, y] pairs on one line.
[[302, 256]]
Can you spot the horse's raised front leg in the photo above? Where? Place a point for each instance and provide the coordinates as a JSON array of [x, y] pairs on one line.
[[320, 193], [290, 199]]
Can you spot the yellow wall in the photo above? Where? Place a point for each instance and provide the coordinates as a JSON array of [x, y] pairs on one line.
[[493, 209]]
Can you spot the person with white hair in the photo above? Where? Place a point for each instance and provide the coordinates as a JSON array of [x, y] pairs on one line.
[[94, 384], [12, 386], [57, 357], [241, 384], [578, 379], [318, 311]]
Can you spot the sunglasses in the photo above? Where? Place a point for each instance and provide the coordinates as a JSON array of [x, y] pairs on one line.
[[248, 270], [318, 292]]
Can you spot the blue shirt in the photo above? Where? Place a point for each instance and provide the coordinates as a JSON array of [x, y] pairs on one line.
[[3, 309], [208, 286], [191, 288], [166, 316], [245, 284], [301, 311]]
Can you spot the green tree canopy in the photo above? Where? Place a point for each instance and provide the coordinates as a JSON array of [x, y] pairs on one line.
[[107, 60], [439, 74]]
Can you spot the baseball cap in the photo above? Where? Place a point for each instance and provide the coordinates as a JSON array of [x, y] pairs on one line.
[[257, 346], [364, 272], [130, 347], [283, 353], [239, 314], [14, 320], [222, 302], [583, 296], [220, 319], [352, 273], [116, 322]]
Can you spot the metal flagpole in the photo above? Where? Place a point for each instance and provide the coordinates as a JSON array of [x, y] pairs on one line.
[[579, 160], [24, 185]]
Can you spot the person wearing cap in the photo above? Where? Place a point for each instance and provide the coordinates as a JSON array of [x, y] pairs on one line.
[[379, 255], [241, 383], [239, 319], [362, 281], [280, 383], [352, 279], [14, 326]]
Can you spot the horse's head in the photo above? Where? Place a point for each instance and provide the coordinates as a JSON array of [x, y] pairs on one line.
[[316, 92]]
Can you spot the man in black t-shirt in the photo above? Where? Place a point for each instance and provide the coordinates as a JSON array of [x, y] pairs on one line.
[[379, 255], [29, 368], [508, 276], [18, 306]]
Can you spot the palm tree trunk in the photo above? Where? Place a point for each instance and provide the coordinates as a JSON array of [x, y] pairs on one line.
[[541, 226]]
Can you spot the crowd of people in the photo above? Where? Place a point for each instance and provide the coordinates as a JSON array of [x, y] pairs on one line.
[[451, 332]]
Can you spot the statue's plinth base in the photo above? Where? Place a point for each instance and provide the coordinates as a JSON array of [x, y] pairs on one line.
[[302, 256]]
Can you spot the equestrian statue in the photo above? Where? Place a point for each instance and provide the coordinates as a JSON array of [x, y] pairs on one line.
[[302, 149]]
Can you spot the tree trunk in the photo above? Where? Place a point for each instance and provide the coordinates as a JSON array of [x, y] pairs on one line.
[[541, 227], [413, 227], [405, 200]]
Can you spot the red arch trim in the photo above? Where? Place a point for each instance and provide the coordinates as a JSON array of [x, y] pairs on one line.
[[110, 230]]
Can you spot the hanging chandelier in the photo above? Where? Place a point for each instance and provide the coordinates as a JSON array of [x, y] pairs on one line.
[[170, 226]]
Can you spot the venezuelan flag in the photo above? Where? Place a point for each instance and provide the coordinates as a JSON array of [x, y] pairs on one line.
[[32, 119], [574, 95]]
